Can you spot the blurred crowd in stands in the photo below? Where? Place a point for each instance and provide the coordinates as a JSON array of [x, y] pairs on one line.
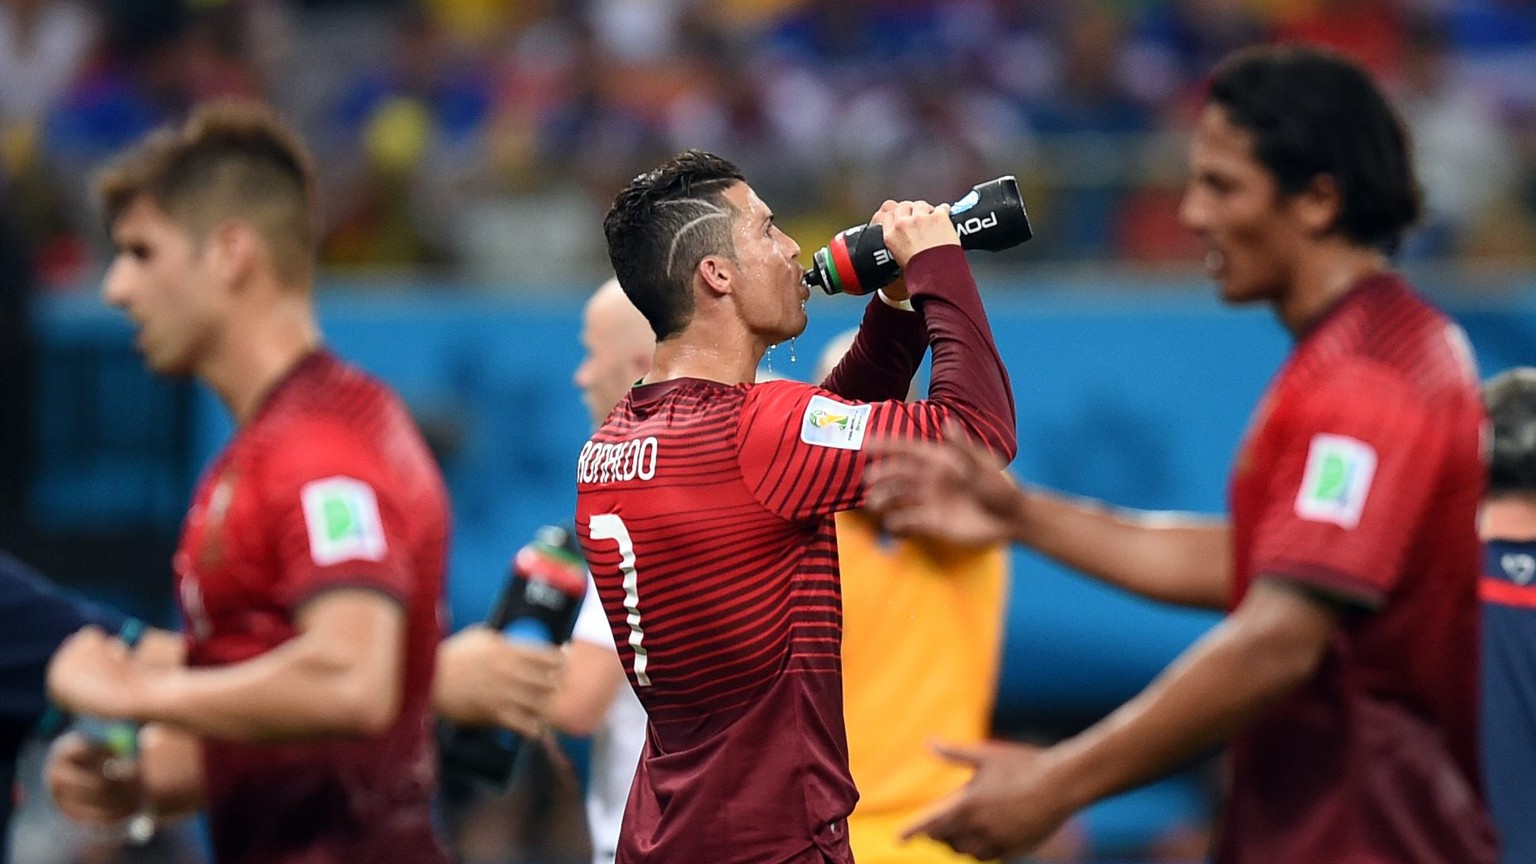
[[481, 140]]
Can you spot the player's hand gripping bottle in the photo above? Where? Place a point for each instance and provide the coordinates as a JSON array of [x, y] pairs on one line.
[[539, 603], [121, 739], [991, 217]]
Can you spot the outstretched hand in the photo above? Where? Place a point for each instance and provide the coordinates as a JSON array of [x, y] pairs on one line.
[[1008, 808], [951, 490]]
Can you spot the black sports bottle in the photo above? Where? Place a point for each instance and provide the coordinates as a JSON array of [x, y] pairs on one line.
[[990, 217], [543, 593]]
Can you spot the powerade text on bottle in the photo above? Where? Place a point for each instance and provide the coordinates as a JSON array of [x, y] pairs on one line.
[[990, 217]]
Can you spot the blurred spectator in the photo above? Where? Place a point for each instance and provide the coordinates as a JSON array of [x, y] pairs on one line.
[[1496, 46], [157, 59], [729, 108], [1463, 156], [637, 30], [406, 125], [1178, 42], [483, 138], [43, 44], [1368, 31], [1525, 136], [602, 126], [560, 141], [139, 79], [931, 134], [1093, 129], [321, 45]]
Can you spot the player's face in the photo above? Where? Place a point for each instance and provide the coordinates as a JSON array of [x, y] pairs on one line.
[[1234, 206], [160, 278], [771, 297]]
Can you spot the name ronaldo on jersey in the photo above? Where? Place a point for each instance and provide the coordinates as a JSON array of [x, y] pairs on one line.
[[617, 461]]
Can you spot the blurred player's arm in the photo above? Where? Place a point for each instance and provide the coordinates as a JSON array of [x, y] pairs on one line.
[[1270, 645], [160, 648], [1173, 557], [483, 679], [593, 676], [593, 673], [959, 492], [171, 767], [341, 675]]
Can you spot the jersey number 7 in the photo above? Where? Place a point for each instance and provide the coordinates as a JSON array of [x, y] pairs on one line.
[[608, 526]]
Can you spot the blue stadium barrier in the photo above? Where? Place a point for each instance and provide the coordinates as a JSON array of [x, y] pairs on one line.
[[1137, 395]]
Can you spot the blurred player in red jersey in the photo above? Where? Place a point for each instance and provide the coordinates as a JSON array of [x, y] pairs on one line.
[[311, 563], [1345, 674], [705, 502]]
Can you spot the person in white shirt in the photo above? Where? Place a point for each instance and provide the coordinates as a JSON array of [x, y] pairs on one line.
[[593, 697]]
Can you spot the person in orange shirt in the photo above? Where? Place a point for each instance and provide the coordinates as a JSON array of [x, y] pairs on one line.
[[922, 633]]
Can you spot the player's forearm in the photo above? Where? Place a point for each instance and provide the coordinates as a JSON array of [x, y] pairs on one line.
[[171, 769], [1172, 557], [884, 357], [160, 648], [592, 678], [1203, 700], [968, 373], [295, 691]]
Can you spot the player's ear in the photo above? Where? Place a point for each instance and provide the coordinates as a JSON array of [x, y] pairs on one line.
[[1319, 205], [235, 249], [717, 274]]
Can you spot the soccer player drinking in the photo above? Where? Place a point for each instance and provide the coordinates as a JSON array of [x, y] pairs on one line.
[[704, 504]]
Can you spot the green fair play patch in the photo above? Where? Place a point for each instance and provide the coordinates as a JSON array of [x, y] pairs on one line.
[[341, 515], [1337, 480]]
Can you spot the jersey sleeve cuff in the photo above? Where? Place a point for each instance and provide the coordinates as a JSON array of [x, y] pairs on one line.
[[349, 580], [1325, 582]]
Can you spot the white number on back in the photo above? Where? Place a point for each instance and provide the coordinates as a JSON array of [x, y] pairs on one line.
[[608, 526]]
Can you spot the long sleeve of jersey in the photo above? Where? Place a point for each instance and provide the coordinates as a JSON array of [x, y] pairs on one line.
[[802, 449], [968, 373], [885, 355], [39, 617]]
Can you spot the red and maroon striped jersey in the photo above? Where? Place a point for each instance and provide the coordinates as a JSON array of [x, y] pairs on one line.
[[705, 512], [328, 486], [1360, 480]]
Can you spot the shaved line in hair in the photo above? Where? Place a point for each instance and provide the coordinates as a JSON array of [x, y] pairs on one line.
[[719, 213]]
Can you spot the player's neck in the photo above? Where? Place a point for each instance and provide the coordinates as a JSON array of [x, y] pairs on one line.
[[1323, 275], [1508, 517], [692, 355], [257, 351]]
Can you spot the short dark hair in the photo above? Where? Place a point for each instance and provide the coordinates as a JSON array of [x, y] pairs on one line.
[[1510, 399], [229, 159], [1311, 112], [662, 225]]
